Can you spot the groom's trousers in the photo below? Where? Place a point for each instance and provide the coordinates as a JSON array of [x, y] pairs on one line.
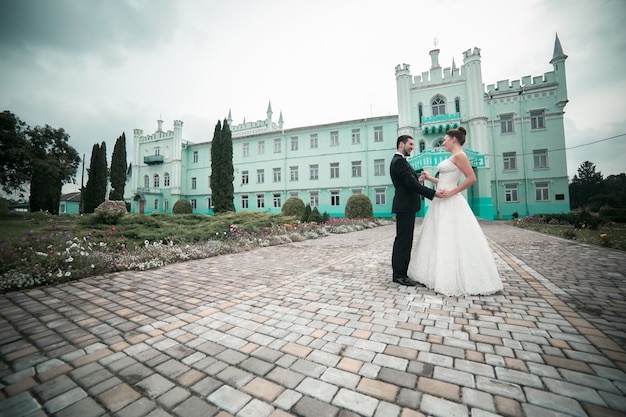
[[401, 254]]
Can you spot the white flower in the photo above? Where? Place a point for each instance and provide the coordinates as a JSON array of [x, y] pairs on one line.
[[70, 259], [68, 273], [92, 266]]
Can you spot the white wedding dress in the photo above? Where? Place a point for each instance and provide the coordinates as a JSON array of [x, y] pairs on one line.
[[451, 255]]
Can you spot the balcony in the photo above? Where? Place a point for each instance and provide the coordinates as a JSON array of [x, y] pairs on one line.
[[153, 159], [432, 158], [440, 123]]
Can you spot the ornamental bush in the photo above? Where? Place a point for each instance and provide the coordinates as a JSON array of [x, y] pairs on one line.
[[182, 207], [293, 206], [359, 206]]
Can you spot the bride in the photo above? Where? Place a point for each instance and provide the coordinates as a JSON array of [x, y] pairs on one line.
[[451, 254]]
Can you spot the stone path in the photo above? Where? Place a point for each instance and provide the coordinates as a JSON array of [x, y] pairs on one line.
[[317, 328]]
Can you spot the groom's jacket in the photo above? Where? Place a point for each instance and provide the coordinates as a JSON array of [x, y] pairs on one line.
[[407, 186]]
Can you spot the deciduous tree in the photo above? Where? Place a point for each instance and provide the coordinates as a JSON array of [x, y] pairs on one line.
[[14, 155], [53, 163]]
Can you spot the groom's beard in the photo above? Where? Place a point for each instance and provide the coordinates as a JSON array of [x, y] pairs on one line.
[[406, 154]]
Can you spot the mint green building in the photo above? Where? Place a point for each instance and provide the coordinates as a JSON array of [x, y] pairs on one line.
[[516, 144]]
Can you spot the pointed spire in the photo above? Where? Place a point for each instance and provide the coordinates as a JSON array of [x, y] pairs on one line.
[[558, 54], [453, 65], [269, 107], [280, 119]]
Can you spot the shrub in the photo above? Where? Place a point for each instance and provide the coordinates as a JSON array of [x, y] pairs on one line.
[[182, 207], [585, 220], [307, 214], [293, 206], [107, 217], [315, 216], [617, 215], [359, 206]]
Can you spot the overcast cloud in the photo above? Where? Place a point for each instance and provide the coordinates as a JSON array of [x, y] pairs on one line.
[[100, 68]]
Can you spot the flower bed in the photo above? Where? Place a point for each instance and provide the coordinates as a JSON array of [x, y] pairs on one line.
[[57, 256]]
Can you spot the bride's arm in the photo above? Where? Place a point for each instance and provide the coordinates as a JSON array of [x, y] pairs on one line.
[[425, 176], [463, 163]]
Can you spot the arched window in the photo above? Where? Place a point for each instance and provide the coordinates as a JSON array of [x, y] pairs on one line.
[[457, 105], [422, 146], [146, 181], [420, 112], [438, 106], [166, 179], [156, 181], [439, 143]]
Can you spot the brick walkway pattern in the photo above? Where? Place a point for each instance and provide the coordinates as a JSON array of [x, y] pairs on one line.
[[317, 329]]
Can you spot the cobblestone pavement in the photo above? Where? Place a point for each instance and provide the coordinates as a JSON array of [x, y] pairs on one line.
[[317, 328]]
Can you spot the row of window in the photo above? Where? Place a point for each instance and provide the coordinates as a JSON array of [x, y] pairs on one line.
[[542, 192], [313, 142], [537, 121], [511, 195], [540, 159], [294, 172]]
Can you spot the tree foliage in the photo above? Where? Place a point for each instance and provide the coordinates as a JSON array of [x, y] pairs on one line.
[[589, 190], [95, 190], [222, 172], [14, 154], [118, 169], [584, 185], [53, 163]]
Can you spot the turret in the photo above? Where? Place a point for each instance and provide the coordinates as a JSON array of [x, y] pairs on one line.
[[558, 63], [403, 85], [269, 115]]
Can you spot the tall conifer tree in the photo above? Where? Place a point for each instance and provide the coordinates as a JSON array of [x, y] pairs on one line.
[[95, 190], [118, 169], [222, 189]]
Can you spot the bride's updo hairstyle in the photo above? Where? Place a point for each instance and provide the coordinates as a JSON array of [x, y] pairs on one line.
[[458, 134]]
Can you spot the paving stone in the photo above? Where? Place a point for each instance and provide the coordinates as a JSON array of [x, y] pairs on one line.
[[554, 402], [442, 408], [119, 397], [20, 405], [310, 407], [229, 399], [138, 408], [154, 385], [173, 397], [194, 407], [64, 400], [86, 407], [317, 389]]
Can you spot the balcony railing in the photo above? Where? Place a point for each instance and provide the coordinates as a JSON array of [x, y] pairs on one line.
[[433, 157], [153, 159], [440, 123]]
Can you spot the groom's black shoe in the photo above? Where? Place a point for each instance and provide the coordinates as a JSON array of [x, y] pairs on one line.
[[404, 281]]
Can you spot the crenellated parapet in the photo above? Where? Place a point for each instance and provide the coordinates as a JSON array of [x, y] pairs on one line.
[[526, 84]]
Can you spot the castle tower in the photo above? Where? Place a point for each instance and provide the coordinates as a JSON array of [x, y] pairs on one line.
[[477, 135], [403, 86]]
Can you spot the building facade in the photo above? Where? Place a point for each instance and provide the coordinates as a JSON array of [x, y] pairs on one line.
[[516, 144]]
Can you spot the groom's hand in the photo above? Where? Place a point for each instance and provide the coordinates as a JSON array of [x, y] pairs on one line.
[[441, 193]]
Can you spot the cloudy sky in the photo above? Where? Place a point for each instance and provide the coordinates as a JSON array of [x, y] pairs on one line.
[[100, 68]]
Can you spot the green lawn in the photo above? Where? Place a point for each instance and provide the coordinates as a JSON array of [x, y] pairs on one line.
[[613, 236]]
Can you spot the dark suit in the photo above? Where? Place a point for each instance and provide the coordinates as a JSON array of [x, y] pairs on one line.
[[406, 203]]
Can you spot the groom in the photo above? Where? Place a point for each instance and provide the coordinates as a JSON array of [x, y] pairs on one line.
[[406, 203]]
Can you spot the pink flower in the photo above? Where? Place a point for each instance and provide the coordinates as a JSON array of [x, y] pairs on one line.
[[113, 229]]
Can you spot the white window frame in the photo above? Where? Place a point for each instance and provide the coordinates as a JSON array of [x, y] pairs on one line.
[[314, 172], [334, 170], [509, 160], [356, 169]]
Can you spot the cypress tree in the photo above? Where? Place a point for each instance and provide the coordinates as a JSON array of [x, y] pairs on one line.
[[95, 190], [118, 169], [89, 191], [222, 173]]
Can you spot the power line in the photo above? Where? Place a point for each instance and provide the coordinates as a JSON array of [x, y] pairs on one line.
[[571, 147]]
